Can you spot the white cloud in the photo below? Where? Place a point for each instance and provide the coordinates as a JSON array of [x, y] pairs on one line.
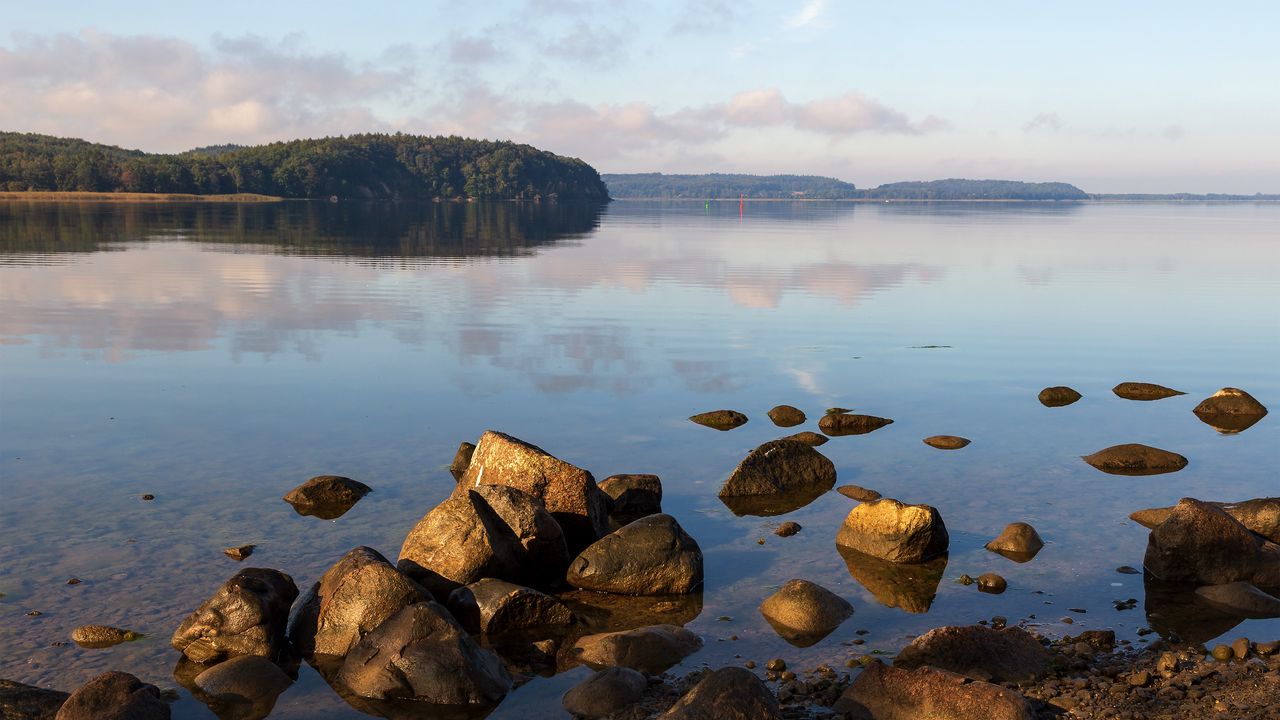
[[808, 14]]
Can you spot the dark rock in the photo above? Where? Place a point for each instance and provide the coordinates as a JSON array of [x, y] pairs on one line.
[[892, 693], [650, 650], [803, 613], [808, 437], [786, 416], [720, 419], [1019, 542], [1230, 410], [541, 553], [1242, 599], [1136, 459], [1178, 614], [909, 587], [495, 606], [1058, 396], [992, 583], [100, 636], [461, 460], [633, 495], [892, 531], [569, 493], [1202, 545], [114, 696], [599, 612], [859, 493], [946, 442], [730, 693], [651, 556], [239, 552], [605, 693], [326, 496], [978, 652], [847, 424], [357, 594], [1260, 515], [244, 687], [27, 702], [780, 467], [246, 616], [1144, 391], [423, 654], [787, 529]]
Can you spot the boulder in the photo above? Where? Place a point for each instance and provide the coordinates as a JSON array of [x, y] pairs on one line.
[[353, 597], [1201, 544], [541, 552], [1260, 515], [1242, 599], [651, 556], [1058, 396], [605, 693], [458, 542], [803, 613], [978, 652], [1019, 542], [114, 696], [422, 653], [28, 702], [720, 419], [859, 493], [496, 606], [326, 496], [893, 531], [730, 693], [946, 442], [101, 636], [786, 416], [780, 467], [1230, 410], [247, 685], [461, 460], [838, 424], [651, 650], [1144, 391], [808, 437], [1136, 459], [892, 693], [632, 496], [909, 587], [569, 493], [246, 616]]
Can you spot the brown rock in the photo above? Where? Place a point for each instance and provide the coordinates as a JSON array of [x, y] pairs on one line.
[[1230, 410], [650, 650], [786, 416], [1260, 515], [458, 542], [808, 437], [803, 613], [730, 693], [494, 607], [542, 552], [239, 552], [326, 496], [100, 636], [780, 467], [992, 583], [1144, 391], [246, 686], [114, 696], [892, 531], [909, 587], [1203, 545], [461, 460], [1058, 396], [633, 495], [848, 424], [978, 652], [891, 693], [1136, 459], [720, 419], [600, 612], [1019, 542], [605, 693], [28, 702], [651, 556], [859, 493], [946, 442], [246, 616], [787, 529]]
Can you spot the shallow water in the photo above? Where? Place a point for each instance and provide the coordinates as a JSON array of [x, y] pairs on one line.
[[217, 356]]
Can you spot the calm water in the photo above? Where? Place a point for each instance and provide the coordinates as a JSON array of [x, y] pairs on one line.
[[217, 356]]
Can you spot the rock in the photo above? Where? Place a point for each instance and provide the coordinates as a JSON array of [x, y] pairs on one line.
[[651, 556], [542, 552], [461, 460], [496, 606], [605, 693], [1058, 396], [909, 587], [114, 696], [786, 416], [28, 702], [239, 552], [633, 496], [720, 419], [1240, 648], [569, 493], [1222, 653], [978, 652], [1144, 391], [1230, 410], [248, 683], [1260, 515], [859, 493], [1241, 598], [1202, 545], [893, 531], [839, 424], [780, 467], [992, 583], [100, 636], [326, 496], [1019, 542], [787, 529], [946, 442], [246, 616], [808, 437], [730, 693], [357, 594], [803, 613], [892, 693], [423, 654], [1268, 648], [650, 650], [1136, 459]]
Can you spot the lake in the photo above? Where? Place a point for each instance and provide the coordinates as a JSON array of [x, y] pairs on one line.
[[216, 356]]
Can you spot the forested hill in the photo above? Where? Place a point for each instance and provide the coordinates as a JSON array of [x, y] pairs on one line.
[[717, 185], [957, 189], [356, 166]]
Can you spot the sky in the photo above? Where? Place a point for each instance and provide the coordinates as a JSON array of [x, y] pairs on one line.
[[1138, 96]]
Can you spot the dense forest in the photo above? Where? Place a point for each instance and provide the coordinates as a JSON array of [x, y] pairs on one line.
[[373, 166], [958, 189], [716, 185]]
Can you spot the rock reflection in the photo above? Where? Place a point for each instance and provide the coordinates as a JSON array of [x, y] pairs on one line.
[[1179, 615], [245, 687], [1229, 424], [774, 504], [909, 587]]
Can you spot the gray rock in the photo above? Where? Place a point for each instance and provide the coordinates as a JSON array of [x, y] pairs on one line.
[[1144, 391], [246, 685], [28, 702], [978, 652], [720, 419], [838, 424], [326, 496], [786, 416], [246, 616], [1058, 396], [893, 531], [892, 693], [730, 693], [605, 693], [1241, 598], [1018, 541], [633, 495], [1200, 544], [651, 556], [495, 607], [651, 650], [1136, 459], [803, 612], [114, 696], [780, 467]]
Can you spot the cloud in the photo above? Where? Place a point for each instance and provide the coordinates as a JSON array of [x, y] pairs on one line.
[[1049, 122], [808, 14], [702, 16], [468, 50], [852, 112]]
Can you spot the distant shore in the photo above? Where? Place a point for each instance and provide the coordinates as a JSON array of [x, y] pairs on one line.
[[881, 201], [45, 196]]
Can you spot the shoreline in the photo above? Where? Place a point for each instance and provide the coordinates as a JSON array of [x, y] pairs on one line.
[[127, 197]]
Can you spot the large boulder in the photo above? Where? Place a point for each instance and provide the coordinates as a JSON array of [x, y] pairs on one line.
[[804, 612], [28, 702], [720, 419], [1230, 410], [894, 531], [651, 556], [495, 606], [1136, 459], [909, 587], [632, 495], [353, 597], [730, 693], [1241, 598], [650, 650], [422, 653], [837, 424], [326, 496], [1144, 391], [978, 652], [114, 696], [569, 493], [786, 416], [1260, 515], [1018, 541], [891, 693], [243, 687], [1058, 396], [1201, 544], [246, 616], [605, 693], [542, 553], [780, 467]]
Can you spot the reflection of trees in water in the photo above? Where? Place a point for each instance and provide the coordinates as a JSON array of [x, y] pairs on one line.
[[447, 230]]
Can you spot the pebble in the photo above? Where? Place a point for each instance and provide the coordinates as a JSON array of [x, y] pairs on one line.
[[1222, 653], [1068, 620], [73, 581], [1240, 648], [148, 496], [760, 541], [776, 665], [239, 552], [1126, 570], [750, 664], [34, 613], [787, 529], [991, 583], [1142, 678]]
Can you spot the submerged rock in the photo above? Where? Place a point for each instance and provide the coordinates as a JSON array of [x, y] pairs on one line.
[[243, 687], [909, 587], [992, 583], [605, 693], [651, 556], [1058, 396], [803, 612], [978, 652], [859, 493], [246, 616], [892, 693], [633, 495], [720, 419], [28, 702], [1230, 410], [786, 416], [808, 437], [730, 693], [783, 473], [1019, 542], [893, 531], [461, 460], [1260, 515], [115, 696], [1242, 599], [101, 636], [326, 496], [1201, 544], [1144, 391], [1136, 459], [651, 650], [946, 442], [839, 424], [494, 607], [787, 529]]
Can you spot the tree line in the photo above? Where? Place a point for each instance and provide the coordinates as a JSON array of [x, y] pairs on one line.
[[802, 187]]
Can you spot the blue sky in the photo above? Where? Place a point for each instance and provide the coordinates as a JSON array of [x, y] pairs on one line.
[[1114, 97]]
